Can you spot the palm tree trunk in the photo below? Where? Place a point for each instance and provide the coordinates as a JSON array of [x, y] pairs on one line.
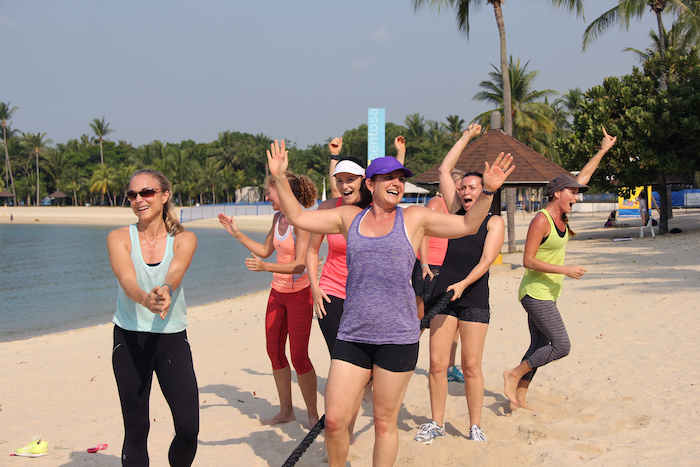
[[663, 83], [36, 152], [507, 120], [8, 166], [102, 158]]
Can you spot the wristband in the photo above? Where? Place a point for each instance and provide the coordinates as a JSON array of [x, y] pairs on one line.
[[424, 265], [490, 193], [170, 287], [335, 157]]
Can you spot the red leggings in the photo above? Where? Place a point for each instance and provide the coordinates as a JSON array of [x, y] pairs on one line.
[[289, 314]]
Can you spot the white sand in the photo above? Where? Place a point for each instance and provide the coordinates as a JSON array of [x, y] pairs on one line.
[[626, 395]]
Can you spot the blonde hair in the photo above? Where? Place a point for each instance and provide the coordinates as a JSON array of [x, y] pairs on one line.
[[172, 223], [303, 188]]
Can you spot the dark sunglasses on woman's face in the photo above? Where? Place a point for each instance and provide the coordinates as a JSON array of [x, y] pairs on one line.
[[145, 193]]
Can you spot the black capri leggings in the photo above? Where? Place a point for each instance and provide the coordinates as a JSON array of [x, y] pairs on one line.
[[135, 356], [548, 338]]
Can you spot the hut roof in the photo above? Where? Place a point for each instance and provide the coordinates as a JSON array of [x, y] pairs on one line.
[[5, 194], [58, 194], [531, 168]]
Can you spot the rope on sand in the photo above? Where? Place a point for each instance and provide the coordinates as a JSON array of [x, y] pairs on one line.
[[305, 443]]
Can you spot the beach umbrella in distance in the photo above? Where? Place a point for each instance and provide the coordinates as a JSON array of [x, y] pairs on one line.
[[57, 194], [5, 194]]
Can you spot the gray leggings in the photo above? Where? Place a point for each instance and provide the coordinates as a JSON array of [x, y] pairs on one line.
[[548, 338]]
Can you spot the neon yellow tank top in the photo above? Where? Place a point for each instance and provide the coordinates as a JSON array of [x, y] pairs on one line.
[[544, 285]]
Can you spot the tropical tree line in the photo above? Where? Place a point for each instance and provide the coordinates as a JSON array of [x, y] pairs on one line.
[[93, 170]]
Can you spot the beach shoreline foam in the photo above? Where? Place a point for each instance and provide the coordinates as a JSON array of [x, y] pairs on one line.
[[625, 395]]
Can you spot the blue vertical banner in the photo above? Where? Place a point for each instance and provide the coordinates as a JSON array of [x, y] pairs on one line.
[[375, 134]]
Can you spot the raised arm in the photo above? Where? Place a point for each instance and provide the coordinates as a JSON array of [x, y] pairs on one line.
[[335, 146], [587, 171], [329, 221], [263, 250], [447, 184], [450, 226], [400, 146]]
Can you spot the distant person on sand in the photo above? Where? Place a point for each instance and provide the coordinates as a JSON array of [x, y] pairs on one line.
[[150, 259], [290, 306], [612, 221], [545, 243], [12, 219], [643, 209], [466, 272], [379, 329]]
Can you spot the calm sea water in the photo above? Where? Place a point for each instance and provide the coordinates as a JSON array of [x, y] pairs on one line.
[[56, 278]]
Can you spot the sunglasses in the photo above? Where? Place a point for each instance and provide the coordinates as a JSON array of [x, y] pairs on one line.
[[145, 193]]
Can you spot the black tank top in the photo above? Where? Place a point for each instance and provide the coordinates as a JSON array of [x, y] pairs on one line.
[[463, 254]]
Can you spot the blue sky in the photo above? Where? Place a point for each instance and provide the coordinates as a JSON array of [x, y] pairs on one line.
[[300, 70]]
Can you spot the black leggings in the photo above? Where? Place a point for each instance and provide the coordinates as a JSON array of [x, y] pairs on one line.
[[135, 356], [548, 338]]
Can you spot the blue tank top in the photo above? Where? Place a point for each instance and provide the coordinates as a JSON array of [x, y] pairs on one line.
[[135, 317], [380, 307]]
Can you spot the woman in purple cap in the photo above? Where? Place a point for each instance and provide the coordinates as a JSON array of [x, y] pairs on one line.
[[542, 283], [379, 330]]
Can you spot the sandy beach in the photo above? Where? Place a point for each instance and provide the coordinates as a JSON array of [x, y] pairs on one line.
[[625, 395]]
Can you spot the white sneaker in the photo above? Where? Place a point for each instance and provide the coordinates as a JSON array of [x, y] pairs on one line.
[[428, 432], [476, 434]]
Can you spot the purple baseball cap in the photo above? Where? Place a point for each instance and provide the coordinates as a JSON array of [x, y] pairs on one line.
[[385, 165]]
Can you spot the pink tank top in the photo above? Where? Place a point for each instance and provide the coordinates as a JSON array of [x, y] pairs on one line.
[[285, 245], [335, 269], [437, 247]]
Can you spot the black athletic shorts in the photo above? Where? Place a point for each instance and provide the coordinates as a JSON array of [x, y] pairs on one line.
[[417, 279], [463, 313], [396, 358]]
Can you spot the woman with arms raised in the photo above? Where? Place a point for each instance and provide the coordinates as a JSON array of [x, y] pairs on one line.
[[149, 259], [379, 330], [543, 257]]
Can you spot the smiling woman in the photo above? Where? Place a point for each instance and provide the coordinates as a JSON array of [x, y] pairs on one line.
[[150, 259], [379, 329]]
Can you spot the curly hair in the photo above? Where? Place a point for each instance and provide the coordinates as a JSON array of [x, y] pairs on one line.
[[172, 223], [303, 188]]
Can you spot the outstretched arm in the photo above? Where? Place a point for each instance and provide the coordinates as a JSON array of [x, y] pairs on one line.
[[400, 146], [293, 267], [335, 146], [447, 185], [587, 171], [263, 250], [450, 226], [329, 221]]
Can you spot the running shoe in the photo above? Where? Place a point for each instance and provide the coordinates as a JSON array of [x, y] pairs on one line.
[[428, 432], [453, 374], [476, 434], [36, 448]]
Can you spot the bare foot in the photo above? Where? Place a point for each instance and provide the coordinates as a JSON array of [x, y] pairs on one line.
[[521, 405], [510, 384], [313, 421], [282, 417]]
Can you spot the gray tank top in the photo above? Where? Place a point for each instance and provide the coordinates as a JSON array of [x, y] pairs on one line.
[[380, 307]]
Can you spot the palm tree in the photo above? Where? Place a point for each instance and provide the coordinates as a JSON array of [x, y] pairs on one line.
[[36, 144], [528, 112], [626, 10], [415, 126], [6, 114], [103, 178], [454, 126], [463, 8], [101, 129]]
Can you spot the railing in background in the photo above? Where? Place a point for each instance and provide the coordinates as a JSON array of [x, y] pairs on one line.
[[209, 211]]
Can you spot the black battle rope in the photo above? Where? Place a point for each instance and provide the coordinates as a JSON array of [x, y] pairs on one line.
[[305, 443], [435, 306]]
